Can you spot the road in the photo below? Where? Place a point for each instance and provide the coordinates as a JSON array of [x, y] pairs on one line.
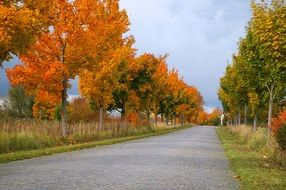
[[188, 159]]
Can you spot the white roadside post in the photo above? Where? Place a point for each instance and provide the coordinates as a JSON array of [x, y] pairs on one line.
[[221, 118]]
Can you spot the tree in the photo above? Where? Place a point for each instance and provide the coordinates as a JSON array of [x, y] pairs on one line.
[[202, 117], [98, 84], [81, 31], [191, 105], [175, 95], [268, 28], [125, 65], [97, 87], [19, 104], [150, 83], [80, 110], [121, 92], [261, 55], [98, 80], [225, 100], [214, 117], [20, 24], [229, 93], [253, 66], [158, 86], [242, 85], [195, 102]]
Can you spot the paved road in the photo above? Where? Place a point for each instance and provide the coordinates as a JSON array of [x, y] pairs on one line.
[[187, 159]]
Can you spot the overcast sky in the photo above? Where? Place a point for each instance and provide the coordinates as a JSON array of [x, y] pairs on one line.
[[199, 35]]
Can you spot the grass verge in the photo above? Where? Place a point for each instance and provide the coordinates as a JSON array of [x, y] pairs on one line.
[[255, 170], [20, 155]]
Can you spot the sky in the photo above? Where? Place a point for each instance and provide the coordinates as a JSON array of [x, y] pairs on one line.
[[199, 36]]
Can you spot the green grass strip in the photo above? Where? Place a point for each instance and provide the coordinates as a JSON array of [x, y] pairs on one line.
[[20, 155], [254, 170]]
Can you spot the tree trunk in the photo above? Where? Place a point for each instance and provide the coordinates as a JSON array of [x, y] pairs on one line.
[[255, 122], [270, 111], [167, 120], [148, 117], [64, 107], [123, 112], [156, 119], [197, 118], [181, 121], [239, 117], [235, 120], [245, 114], [101, 117], [271, 99]]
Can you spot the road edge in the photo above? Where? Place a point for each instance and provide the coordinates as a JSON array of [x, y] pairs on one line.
[[22, 155]]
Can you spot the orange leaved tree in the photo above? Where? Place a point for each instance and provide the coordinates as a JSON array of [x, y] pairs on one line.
[[77, 38], [98, 82], [191, 106], [150, 83], [19, 26], [175, 93]]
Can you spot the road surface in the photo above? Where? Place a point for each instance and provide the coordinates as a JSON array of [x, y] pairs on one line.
[[188, 159]]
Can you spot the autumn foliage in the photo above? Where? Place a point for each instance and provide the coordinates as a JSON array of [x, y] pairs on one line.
[[87, 39], [79, 110], [254, 83], [18, 27], [278, 122]]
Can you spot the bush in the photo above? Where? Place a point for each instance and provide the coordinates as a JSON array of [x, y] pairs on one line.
[[79, 110], [281, 137], [278, 122]]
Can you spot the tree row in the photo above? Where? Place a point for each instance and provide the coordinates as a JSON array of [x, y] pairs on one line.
[[60, 40], [254, 83]]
